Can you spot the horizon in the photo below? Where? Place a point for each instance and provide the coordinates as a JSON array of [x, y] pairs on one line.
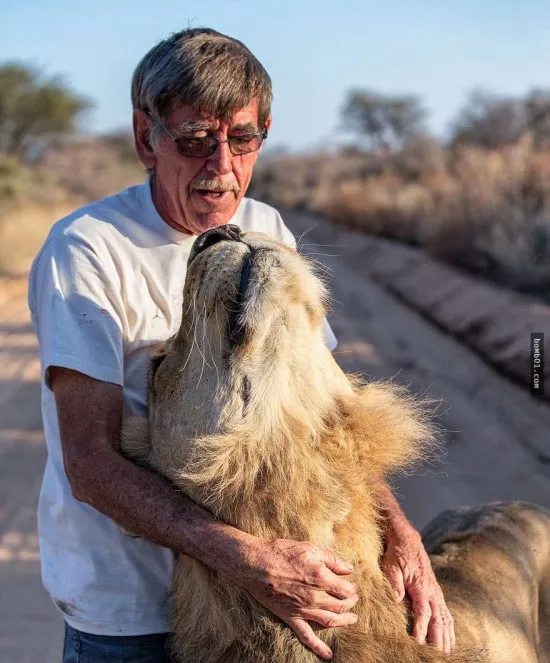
[[314, 57]]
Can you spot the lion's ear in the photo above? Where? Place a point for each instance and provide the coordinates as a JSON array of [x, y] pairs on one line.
[[158, 355], [135, 442]]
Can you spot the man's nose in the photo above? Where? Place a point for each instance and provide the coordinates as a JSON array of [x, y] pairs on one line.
[[228, 233], [220, 162]]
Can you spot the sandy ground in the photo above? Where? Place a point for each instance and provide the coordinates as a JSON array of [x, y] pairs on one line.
[[30, 628], [490, 426]]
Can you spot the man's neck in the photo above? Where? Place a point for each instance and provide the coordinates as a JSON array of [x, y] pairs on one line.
[[162, 209]]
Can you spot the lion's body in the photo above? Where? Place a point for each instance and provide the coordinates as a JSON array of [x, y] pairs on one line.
[[493, 563], [252, 418]]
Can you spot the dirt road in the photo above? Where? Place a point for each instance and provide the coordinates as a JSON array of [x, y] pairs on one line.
[[30, 628], [490, 425]]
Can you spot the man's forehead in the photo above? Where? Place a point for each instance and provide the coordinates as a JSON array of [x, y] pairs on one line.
[[187, 115]]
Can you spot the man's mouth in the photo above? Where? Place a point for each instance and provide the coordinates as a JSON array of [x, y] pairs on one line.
[[213, 197]]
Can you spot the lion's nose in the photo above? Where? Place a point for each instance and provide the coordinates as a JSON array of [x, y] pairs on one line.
[[230, 232]]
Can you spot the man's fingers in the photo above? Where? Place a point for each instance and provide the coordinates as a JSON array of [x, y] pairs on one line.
[[441, 631], [447, 641], [447, 632], [436, 633], [331, 604], [330, 619], [394, 574], [338, 587], [421, 617], [452, 633], [336, 564], [307, 637]]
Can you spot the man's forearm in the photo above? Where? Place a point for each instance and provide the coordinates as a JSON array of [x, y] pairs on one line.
[[90, 421], [395, 520], [145, 503]]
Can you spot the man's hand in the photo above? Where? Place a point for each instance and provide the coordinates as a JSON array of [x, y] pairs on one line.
[[299, 583], [408, 568]]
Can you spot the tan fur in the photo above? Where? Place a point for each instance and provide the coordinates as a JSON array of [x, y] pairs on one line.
[[268, 434], [493, 564]]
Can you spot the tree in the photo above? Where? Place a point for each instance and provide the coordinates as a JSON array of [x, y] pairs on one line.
[[489, 120], [32, 107], [492, 121], [537, 108], [383, 121]]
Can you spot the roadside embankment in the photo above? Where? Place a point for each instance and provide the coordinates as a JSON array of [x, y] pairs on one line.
[[495, 322]]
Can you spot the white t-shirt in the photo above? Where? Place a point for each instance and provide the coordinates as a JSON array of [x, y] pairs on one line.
[[106, 285]]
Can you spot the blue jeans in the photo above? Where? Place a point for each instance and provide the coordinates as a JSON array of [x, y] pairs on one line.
[[82, 647]]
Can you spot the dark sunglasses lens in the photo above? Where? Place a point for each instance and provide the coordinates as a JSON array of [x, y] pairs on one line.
[[195, 147], [242, 145], [205, 147]]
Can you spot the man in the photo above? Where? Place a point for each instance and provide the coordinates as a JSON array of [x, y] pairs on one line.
[[106, 285]]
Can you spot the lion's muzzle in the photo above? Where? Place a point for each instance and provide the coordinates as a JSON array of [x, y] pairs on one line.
[[227, 233]]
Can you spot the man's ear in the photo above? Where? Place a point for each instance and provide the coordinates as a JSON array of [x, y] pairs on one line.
[[142, 132], [268, 123]]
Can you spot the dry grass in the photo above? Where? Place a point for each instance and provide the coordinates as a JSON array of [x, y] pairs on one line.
[[23, 227], [32, 198], [486, 211]]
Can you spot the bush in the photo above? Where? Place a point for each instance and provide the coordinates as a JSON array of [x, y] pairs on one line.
[[484, 210]]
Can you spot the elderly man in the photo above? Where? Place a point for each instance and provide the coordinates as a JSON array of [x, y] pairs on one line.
[[106, 285]]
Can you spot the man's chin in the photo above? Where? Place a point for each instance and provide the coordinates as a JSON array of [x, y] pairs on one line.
[[210, 216], [204, 222]]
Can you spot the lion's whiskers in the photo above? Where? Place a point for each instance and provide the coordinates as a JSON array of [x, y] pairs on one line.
[[317, 264], [326, 255], [225, 312], [205, 335], [187, 335], [327, 246], [304, 234], [219, 333], [199, 348]]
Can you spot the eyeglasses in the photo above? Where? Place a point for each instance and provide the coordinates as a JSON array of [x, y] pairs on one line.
[[205, 147]]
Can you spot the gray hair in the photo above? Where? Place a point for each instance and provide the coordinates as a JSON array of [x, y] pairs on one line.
[[203, 69]]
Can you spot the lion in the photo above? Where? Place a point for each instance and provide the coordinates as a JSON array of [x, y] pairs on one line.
[[252, 418]]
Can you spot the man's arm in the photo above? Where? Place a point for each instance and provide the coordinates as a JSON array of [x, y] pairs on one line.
[[294, 580], [408, 568]]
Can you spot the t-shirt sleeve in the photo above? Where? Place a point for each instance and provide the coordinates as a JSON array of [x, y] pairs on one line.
[[330, 339], [77, 311]]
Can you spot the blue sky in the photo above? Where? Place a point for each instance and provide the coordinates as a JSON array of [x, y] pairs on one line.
[[314, 50]]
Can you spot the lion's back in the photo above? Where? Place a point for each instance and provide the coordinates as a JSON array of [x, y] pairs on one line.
[[493, 564]]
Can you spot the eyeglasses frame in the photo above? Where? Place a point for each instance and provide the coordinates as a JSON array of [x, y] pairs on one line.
[[175, 139]]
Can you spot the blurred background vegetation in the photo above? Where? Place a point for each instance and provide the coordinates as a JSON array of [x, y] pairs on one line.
[[48, 167], [479, 200]]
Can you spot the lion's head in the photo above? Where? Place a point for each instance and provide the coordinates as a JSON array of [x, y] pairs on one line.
[[249, 370], [251, 336], [268, 293]]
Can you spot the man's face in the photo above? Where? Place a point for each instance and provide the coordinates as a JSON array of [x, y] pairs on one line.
[[182, 185]]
